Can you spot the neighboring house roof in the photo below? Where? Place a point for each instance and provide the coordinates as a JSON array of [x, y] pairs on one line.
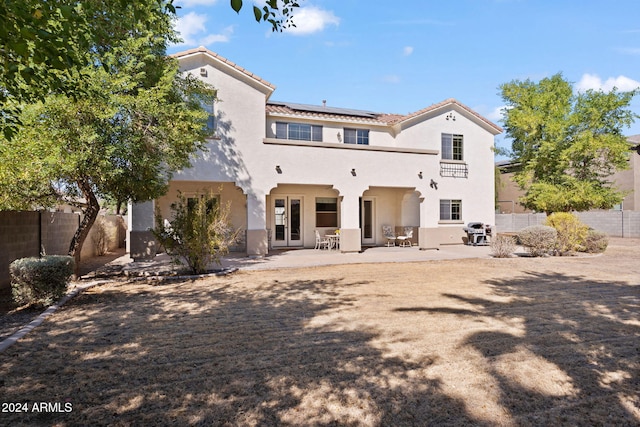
[[635, 141], [510, 165]]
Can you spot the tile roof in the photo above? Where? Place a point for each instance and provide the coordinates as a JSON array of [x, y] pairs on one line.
[[222, 59], [323, 112], [452, 101]]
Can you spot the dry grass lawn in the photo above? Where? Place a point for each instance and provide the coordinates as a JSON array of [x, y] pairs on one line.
[[553, 341]]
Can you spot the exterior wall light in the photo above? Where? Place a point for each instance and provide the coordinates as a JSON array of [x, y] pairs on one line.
[[353, 172], [278, 169], [420, 174], [433, 184]]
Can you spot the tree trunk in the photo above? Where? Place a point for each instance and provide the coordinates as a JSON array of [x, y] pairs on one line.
[[90, 215]]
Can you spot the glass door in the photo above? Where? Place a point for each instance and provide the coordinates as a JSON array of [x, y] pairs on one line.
[[287, 215]]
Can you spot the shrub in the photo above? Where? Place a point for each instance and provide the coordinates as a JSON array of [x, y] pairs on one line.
[[100, 236], [596, 242], [199, 233], [40, 280], [572, 232], [503, 246], [538, 239]]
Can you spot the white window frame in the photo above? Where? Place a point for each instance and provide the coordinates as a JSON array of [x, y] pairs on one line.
[[452, 211], [452, 146], [356, 136], [292, 130]]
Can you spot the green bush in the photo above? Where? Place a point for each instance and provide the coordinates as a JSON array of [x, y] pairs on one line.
[[539, 240], [503, 246], [596, 242], [199, 233], [40, 280], [572, 232]]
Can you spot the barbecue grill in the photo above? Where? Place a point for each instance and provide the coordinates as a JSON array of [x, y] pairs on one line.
[[478, 233]]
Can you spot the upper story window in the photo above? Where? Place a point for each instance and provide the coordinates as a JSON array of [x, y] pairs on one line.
[[298, 131], [210, 108], [452, 146], [356, 136]]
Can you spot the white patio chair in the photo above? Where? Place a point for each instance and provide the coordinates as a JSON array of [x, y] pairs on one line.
[[389, 234], [322, 242], [405, 240]]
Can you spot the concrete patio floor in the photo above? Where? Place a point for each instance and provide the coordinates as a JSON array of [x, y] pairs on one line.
[[310, 257], [297, 258]]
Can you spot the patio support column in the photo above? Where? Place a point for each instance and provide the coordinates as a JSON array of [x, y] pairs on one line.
[[141, 244], [429, 212], [350, 234], [257, 236]]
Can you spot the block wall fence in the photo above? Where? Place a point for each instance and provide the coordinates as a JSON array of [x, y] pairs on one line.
[[613, 223], [27, 234]]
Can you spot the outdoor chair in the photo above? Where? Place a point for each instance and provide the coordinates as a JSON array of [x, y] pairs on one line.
[[389, 234], [322, 242], [405, 240]]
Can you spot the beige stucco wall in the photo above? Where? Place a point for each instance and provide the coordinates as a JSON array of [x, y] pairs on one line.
[[629, 181], [241, 155], [226, 193], [246, 154]]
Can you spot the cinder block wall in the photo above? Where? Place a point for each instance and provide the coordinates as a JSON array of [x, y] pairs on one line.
[[19, 238], [613, 223], [27, 234], [58, 229]]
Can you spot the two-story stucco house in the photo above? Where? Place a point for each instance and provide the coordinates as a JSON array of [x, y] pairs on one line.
[[289, 169]]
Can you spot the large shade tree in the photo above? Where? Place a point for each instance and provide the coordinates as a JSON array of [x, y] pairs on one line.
[[137, 121], [45, 45], [568, 143]]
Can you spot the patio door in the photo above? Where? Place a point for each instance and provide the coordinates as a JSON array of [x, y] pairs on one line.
[[367, 220], [287, 216]]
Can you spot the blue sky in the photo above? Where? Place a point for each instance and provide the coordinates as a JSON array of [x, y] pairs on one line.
[[399, 57]]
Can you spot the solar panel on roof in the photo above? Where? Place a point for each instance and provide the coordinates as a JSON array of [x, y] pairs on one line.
[[326, 110]]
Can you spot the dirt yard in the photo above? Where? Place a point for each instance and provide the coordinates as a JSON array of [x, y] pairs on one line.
[[553, 341]]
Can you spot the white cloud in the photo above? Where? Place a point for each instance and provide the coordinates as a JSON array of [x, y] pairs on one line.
[[407, 50], [495, 114], [192, 30], [312, 19], [593, 81], [217, 38]]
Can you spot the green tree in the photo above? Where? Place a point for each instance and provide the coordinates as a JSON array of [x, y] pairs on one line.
[[45, 45], [568, 144], [137, 122]]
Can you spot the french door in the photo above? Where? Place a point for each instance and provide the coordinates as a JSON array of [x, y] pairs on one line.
[[287, 217]]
